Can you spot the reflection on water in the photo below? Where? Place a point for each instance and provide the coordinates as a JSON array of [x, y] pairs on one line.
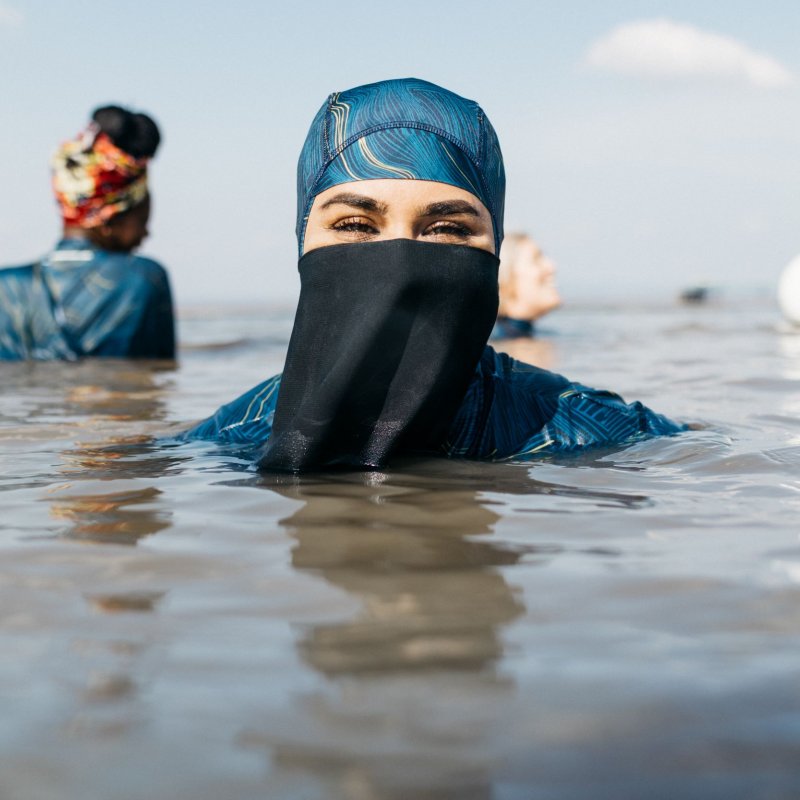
[[109, 515], [130, 601], [122, 458], [429, 593], [135, 396], [417, 548], [107, 388], [110, 518], [433, 600], [96, 481]]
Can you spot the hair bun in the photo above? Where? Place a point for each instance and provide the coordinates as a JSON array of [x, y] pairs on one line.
[[137, 134]]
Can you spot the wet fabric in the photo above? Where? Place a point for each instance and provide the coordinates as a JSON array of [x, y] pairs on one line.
[[82, 301], [510, 411], [404, 129], [385, 341], [93, 180]]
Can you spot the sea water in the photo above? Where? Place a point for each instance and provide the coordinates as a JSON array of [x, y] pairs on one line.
[[623, 623]]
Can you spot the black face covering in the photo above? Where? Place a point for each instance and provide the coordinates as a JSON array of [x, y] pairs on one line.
[[386, 339]]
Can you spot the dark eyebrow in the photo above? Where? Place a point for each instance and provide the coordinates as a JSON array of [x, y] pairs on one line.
[[447, 208], [360, 201]]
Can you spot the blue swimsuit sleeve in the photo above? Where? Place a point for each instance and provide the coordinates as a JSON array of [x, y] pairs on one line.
[[246, 420], [514, 410], [585, 417]]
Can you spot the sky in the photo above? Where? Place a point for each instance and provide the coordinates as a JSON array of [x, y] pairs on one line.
[[649, 145]]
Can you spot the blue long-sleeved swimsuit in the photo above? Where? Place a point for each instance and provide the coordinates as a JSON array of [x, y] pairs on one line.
[[510, 411], [83, 301]]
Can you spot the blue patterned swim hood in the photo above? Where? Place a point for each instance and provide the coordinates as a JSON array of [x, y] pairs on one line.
[[407, 129]]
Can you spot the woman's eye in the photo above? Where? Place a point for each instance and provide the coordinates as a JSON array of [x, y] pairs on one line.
[[354, 226], [450, 229]]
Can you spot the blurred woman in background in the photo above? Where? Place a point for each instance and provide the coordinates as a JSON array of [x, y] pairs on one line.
[[528, 291], [527, 284], [91, 296]]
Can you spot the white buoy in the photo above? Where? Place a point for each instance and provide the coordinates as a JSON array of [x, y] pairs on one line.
[[789, 291]]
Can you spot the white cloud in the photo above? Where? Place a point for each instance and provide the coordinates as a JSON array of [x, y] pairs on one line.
[[661, 48], [9, 16]]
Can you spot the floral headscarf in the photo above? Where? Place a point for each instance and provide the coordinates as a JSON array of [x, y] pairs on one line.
[[94, 180]]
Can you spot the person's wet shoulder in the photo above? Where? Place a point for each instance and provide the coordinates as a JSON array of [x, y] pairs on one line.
[[15, 272], [148, 267], [134, 268]]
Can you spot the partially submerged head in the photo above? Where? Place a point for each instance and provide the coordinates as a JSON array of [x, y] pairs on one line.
[[400, 159], [400, 190], [527, 279], [100, 178]]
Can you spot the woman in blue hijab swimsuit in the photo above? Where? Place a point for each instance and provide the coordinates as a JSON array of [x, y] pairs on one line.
[[400, 193], [90, 296]]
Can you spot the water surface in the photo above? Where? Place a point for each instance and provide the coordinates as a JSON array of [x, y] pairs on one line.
[[620, 624]]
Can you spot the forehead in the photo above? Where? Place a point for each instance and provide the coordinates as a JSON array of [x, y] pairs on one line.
[[396, 195]]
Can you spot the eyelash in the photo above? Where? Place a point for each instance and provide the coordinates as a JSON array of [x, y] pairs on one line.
[[444, 228], [450, 229], [354, 226]]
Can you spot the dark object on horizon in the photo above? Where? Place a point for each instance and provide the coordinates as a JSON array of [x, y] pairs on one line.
[[695, 295]]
